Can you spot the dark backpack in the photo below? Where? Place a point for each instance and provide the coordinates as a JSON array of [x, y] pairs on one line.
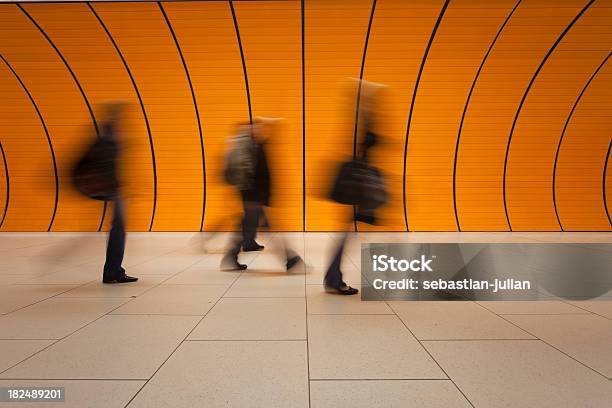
[[94, 174]]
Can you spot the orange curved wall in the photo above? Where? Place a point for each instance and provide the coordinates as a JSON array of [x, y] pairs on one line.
[[28, 158], [497, 116], [103, 77]]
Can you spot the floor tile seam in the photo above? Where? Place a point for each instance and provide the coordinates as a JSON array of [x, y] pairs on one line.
[[431, 356], [586, 310], [59, 340], [186, 337], [381, 379], [73, 287], [308, 376], [552, 346]]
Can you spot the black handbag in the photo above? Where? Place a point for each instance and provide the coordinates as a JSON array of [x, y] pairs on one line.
[[359, 184]]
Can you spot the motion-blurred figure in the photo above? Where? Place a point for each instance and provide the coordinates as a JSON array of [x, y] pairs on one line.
[[96, 177], [358, 184], [247, 169]]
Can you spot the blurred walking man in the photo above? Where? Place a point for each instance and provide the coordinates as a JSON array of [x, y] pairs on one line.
[[247, 169], [96, 177]]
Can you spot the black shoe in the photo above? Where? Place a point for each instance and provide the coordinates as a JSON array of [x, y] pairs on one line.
[[341, 290], [254, 246], [228, 264], [121, 279], [126, 279], [294, 260]]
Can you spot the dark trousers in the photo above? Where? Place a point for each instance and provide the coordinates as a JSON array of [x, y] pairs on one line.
[[333, 276], [250, 221], [116, 243], [253, 214]]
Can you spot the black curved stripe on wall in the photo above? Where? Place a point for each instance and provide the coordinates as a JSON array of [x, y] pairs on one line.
[[8, 186], [195, 105], [303, 119], [244, 67], [522, 102], [42, 121], [363, 60], [142, 107], [567, 121], [76, 81], [467, 102], [414, 94], [605, 173]]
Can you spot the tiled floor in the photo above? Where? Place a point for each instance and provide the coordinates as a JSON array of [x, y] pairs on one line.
[[190, 335]]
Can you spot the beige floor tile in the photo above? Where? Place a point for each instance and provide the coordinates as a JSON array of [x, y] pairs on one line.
[[273, 258], [268, 284], [350, 274], [10, 241], [439, 320], [584, 289], [578, 237], [254, 319], [366, 347], [600, 307], [83, 393], [388, 394], [520, 373], [271, 262], [230, 374], [28, 264], [165, 265], [587, 338], [319, 253], [121, 290], [54, 318], [531, 307], [132, 260], [212, 252], [175, 300], [72, 276], [28, 273], [6, 279], [78, 251], [353, 252], [203, 275], [113, 347], [13, 351], [244, 257], [320, 302], [353, 344], [47, 257], [13, 297]]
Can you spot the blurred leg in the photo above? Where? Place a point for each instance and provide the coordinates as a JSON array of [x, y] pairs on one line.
[[230, 260], [252, 212], [238, 238], [116, 243], [291, 256], [333, 276]]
